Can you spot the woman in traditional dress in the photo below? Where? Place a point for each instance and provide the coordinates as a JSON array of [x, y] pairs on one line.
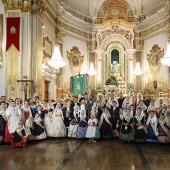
[[32, 107], [100, 104], [3, 120], [105, 124], [39, 127], [139, 98], [26, 112], [152, 106], [57, 127], [158, 112], [19, 136], [72, 130], [29, 129], [40, 112], [82, 125], [92, 129], [152, 132], [119, 122], [163, 129], [142, 106], [14, 117], [47, 115], [140, 126], [126, 132], [127, 102], [95, 110]]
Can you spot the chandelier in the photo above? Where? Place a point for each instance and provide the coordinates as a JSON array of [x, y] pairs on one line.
[[92, 71], [137, 70], [56, 61]]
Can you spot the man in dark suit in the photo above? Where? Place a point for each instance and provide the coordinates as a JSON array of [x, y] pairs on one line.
[[75, 102], [120, 100], [114, 112], [67, 114], [147, 101]]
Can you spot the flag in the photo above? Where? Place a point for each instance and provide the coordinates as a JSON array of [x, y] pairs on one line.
[[79, 84], [13, 33]]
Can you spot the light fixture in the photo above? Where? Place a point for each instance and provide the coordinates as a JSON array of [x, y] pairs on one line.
[[137, 70], [43, 26], [92, 71], [56, 61], [166, 59]]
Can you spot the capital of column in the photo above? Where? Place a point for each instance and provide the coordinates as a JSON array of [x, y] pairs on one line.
[[99, 53], [130, 53], [61, 33]]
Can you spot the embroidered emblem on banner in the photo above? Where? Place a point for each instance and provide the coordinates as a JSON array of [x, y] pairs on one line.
[[12, 30], [78, 86]]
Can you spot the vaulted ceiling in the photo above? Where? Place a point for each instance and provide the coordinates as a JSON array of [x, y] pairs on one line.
[[91, 7]]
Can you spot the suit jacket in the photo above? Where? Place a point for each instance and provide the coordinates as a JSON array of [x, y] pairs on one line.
[[67, 119], [115, 116]]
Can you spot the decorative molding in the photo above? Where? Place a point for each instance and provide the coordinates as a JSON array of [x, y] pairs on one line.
[[75, 60], [154, 59], [76, 31], [61, 33], [117, 9], [139, 45], [115, 30], [154, 29], [25, 6], [1, 39], [47, 47], [91, 46]]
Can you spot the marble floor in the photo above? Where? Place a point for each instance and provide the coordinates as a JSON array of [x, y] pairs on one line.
[[71, 154]]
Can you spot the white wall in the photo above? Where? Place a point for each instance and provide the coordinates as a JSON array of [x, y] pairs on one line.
[[3, 70], [68, 43], [161, 40]]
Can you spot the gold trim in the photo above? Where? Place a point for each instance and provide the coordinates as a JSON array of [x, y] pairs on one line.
[[157, 84], [47, 46], [75, 60], [1, 39], [154, 59]]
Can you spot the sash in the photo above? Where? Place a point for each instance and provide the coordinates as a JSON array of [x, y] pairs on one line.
[[153, 127], [107, 120], [165, 130], [38, 123], [20, 134]]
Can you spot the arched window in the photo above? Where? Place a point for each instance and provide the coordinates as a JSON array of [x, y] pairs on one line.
[[114, 56]]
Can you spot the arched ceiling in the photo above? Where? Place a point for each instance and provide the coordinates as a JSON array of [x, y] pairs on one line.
[[91, 7]]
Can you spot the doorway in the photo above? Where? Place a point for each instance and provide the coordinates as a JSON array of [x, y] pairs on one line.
[[46, 92]]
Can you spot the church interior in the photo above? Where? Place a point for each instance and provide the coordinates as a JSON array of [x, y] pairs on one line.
[[85, 84]]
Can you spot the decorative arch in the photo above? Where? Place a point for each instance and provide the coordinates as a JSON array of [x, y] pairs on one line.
[[118, 46]]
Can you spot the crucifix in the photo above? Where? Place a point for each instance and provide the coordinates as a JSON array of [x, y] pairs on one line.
[[25, 81]]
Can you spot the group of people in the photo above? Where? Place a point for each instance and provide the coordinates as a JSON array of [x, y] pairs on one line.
[[123, 117]]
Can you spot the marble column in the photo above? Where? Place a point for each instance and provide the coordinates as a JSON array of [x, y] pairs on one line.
[[99, 64], [26, 50], [131, 60]]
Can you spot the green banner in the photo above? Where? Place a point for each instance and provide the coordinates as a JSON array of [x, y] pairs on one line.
[[79, 85]]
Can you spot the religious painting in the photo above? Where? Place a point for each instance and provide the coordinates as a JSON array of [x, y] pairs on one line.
[[1, 38], [75, 60], [154, 57]]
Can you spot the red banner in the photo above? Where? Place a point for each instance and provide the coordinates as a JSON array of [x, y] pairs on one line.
[[13, 32]]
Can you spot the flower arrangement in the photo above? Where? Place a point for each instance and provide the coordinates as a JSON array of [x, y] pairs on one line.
[[112, 81], [130, 87]]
